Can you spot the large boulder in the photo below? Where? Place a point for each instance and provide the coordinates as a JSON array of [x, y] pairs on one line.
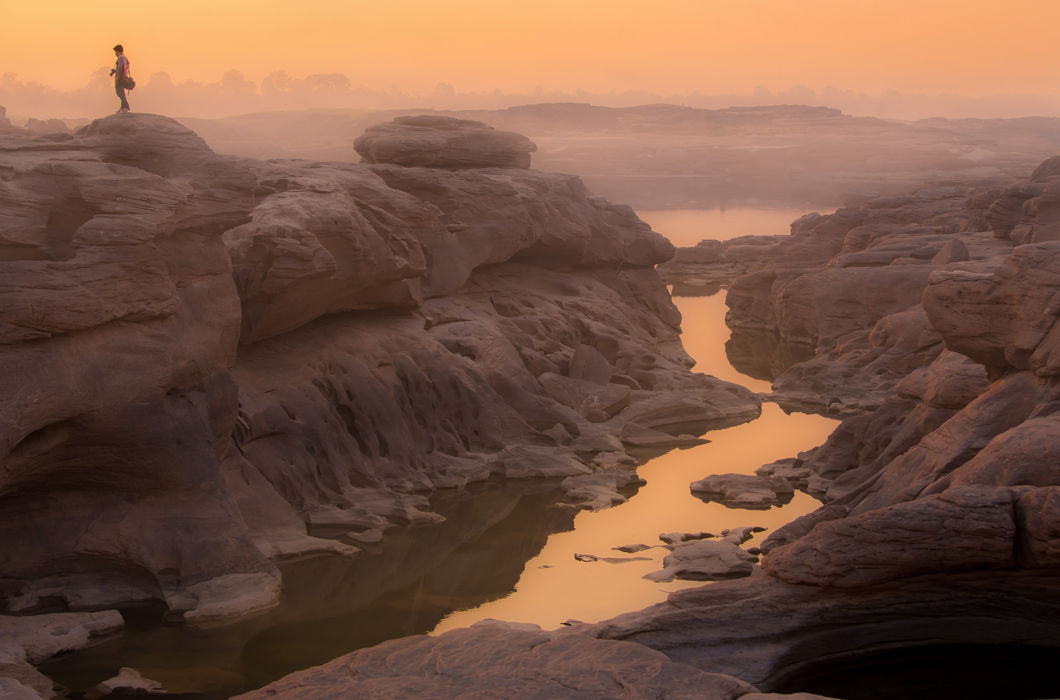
[[1006, 318], [433, 141], [498, 660], [961, 528]]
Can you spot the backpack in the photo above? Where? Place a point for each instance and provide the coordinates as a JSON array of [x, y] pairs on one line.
[[127, 81]]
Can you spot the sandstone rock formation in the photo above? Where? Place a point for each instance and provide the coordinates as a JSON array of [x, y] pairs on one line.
[[744, 490], [432, 141], [494, 659], [832, 312], [941, 481], [209, 361], [31, 640], [544, 349], [705, 560]]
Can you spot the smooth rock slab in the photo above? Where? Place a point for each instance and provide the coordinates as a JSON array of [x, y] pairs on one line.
[[759, 628], [443, 142], [601, 489], [39, 637], [498, 660], [966, 527]]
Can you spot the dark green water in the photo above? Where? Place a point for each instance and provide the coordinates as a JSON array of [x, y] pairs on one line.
[[332, 605]]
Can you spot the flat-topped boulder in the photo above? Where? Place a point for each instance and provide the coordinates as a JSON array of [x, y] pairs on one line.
[[432, 141], [743, 490]]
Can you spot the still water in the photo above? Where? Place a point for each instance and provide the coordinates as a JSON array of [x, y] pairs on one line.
[[555, 586], [687, 227], [503, 552]]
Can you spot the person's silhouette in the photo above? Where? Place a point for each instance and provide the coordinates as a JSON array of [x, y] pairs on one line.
[[121, 75]]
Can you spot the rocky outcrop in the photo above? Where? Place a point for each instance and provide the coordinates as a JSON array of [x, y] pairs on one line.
[[30, 640], [1027, 212], [119, 325], [211, 362], [941, 490], [1004, 319], [787, 637], [705, 560], [743, 490], [499, 660], [431, 141]]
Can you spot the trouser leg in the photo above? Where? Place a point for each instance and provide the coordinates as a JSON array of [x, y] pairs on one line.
[[120, 91]]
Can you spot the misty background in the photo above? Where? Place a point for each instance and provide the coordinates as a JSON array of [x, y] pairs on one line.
[[233, 94], [798, 148]]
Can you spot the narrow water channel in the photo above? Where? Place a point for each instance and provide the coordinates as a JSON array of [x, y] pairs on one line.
[[503, 552], [555, 586]]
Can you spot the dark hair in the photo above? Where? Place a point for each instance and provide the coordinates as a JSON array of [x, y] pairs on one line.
[[118, 47]]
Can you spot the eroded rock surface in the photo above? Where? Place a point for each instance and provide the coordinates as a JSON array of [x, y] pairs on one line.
[[744, 490], [432, 141], [493, 659], [705, 560], [941, 481], [211, 362]]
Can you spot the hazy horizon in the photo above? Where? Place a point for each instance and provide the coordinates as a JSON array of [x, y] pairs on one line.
[[233, 95], [901, 59]]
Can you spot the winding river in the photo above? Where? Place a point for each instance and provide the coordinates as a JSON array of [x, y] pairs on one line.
[[502, 553]]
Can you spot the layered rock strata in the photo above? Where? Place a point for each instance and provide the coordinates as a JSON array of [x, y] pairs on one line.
[[940, 527], [493, 659], [208, 360], [940, 539]]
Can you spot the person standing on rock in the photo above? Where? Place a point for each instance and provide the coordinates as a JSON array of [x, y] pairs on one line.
[[120, 71]]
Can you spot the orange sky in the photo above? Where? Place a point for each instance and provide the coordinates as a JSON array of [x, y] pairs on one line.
[[970, 47]]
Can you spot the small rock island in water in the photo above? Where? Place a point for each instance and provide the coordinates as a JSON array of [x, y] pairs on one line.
[[210, 364]]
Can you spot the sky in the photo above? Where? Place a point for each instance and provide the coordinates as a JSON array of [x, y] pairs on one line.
[[969, 47]]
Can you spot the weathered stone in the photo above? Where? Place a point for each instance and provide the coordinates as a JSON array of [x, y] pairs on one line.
[[705, 560], [394, 323], [952, 251], [39, 637], [675, 538], [961, 528], [128, 681], [443, 142], [739, 535], [1004, 319], [950, 381], [743, 491], [761, 629], [601, 489], [793, 470], [1038, 517], [500, 660]]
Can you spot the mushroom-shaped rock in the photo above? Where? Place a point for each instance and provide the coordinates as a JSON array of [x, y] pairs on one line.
[[432, 141]]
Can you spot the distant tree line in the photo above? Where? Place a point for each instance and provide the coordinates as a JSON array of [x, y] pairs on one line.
[[235, 94]]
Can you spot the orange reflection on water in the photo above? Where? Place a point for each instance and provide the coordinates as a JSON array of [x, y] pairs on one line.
[[555, 587]]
